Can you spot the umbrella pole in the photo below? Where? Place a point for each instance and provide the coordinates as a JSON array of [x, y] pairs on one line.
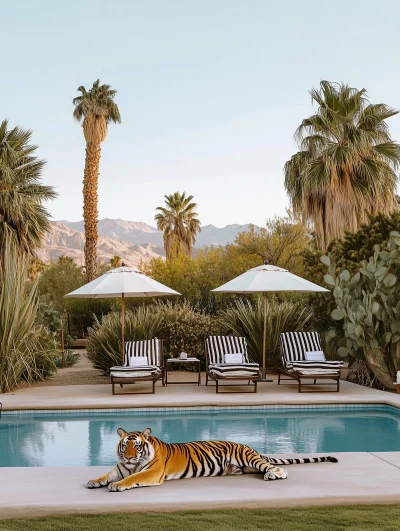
[[264, 370], [123, 327]]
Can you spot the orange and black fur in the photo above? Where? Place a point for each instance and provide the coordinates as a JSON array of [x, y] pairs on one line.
[[144, 461]]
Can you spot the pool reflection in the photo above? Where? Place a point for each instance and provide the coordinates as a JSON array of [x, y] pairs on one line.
[[67, 440]]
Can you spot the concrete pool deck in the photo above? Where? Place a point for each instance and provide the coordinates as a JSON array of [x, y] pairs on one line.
[[99, 396], [357, 478]]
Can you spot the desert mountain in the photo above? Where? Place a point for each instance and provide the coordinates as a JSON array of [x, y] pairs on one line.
[[63, 240], [137, 232], [133, 241]]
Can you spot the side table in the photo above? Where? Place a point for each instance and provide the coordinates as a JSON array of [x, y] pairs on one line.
[[178, 360]]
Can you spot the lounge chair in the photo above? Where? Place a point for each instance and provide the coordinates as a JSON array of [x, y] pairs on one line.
[[217, 368], [143, 363], [294, 346]]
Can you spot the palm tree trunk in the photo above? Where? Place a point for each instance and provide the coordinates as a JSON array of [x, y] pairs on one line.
[[90, 207]]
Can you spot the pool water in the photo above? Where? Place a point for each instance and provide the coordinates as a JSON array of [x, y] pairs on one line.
[[85, 439]]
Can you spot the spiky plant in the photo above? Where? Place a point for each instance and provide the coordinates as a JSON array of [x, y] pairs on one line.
[[104, 344], [96, 108], [246, 319], [179, 223], [23, 216], [346, 167], [24, 347]]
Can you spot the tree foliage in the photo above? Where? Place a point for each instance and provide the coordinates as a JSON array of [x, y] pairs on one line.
[[346, 166], [23, 216], [96, 108], [280, 241], [57, 280], [179, 223]]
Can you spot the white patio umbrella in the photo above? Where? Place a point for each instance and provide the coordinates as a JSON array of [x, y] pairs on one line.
[[122, 282], [264, 279]]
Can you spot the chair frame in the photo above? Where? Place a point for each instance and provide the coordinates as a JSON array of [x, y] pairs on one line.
[[253, 379], [295, 375], [131, 380]]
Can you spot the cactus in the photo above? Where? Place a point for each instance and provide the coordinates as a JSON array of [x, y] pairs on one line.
[[369, 305]]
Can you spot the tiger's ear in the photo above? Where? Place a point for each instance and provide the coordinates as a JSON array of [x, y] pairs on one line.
[[121, 432], [145, 433]]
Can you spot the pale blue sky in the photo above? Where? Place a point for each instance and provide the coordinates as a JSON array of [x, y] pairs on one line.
[[210, 92]]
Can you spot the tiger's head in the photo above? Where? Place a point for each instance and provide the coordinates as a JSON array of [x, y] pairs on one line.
[[133, 447]]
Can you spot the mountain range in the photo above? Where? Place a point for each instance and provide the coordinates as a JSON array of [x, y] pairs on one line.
[[133, 241]]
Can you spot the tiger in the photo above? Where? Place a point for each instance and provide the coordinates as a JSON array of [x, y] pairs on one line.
[[145, 461]]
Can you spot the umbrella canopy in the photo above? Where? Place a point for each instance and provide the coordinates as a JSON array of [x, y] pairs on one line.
[[122, 282], [268, 278], [264, 279]]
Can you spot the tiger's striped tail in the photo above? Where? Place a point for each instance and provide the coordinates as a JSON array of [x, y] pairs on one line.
[[300, 460]]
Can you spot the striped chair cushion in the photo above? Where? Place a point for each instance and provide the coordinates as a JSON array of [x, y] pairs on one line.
[[229, 369], [135, 372], [293, 347], [295, 344], [149, 347], [218, 346], [316, 366], [145, 368]]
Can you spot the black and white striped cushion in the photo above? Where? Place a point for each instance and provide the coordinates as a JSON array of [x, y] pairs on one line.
[[145, 368], [230, 369], [316, 366], [295, 344], [218, 346], [149, 347]]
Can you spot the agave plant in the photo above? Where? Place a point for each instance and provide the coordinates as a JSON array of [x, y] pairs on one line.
[[246, 319], [369, 305], [26, 350], [104, 343]]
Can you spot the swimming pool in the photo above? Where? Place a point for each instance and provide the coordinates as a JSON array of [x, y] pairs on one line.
[[85, 438]]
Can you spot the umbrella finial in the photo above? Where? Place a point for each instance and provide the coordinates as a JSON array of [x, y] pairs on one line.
[[266, 262], [123, 264]]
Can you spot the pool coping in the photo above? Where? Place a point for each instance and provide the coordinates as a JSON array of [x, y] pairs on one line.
[[98, 397], [345, 483], [362, 406]]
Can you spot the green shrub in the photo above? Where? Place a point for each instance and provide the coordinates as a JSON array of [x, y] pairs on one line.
[[69, 359], [180, 326], [26, 350], [183, 328], [48, 316], [246, 319], [104, 347]]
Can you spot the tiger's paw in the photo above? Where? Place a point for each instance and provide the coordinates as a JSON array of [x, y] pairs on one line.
[[96, 483], [116, 487], [275, 473]]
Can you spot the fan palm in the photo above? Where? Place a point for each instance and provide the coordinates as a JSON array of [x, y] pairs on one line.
[[115, 261], [96, 107], [346, 165], [22, 215], [179, 223]]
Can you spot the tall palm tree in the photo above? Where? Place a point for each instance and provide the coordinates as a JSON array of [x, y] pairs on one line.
[[96, 107], [346, 165], [23, 216], [115, 261], [35, 268], [179, 223]]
